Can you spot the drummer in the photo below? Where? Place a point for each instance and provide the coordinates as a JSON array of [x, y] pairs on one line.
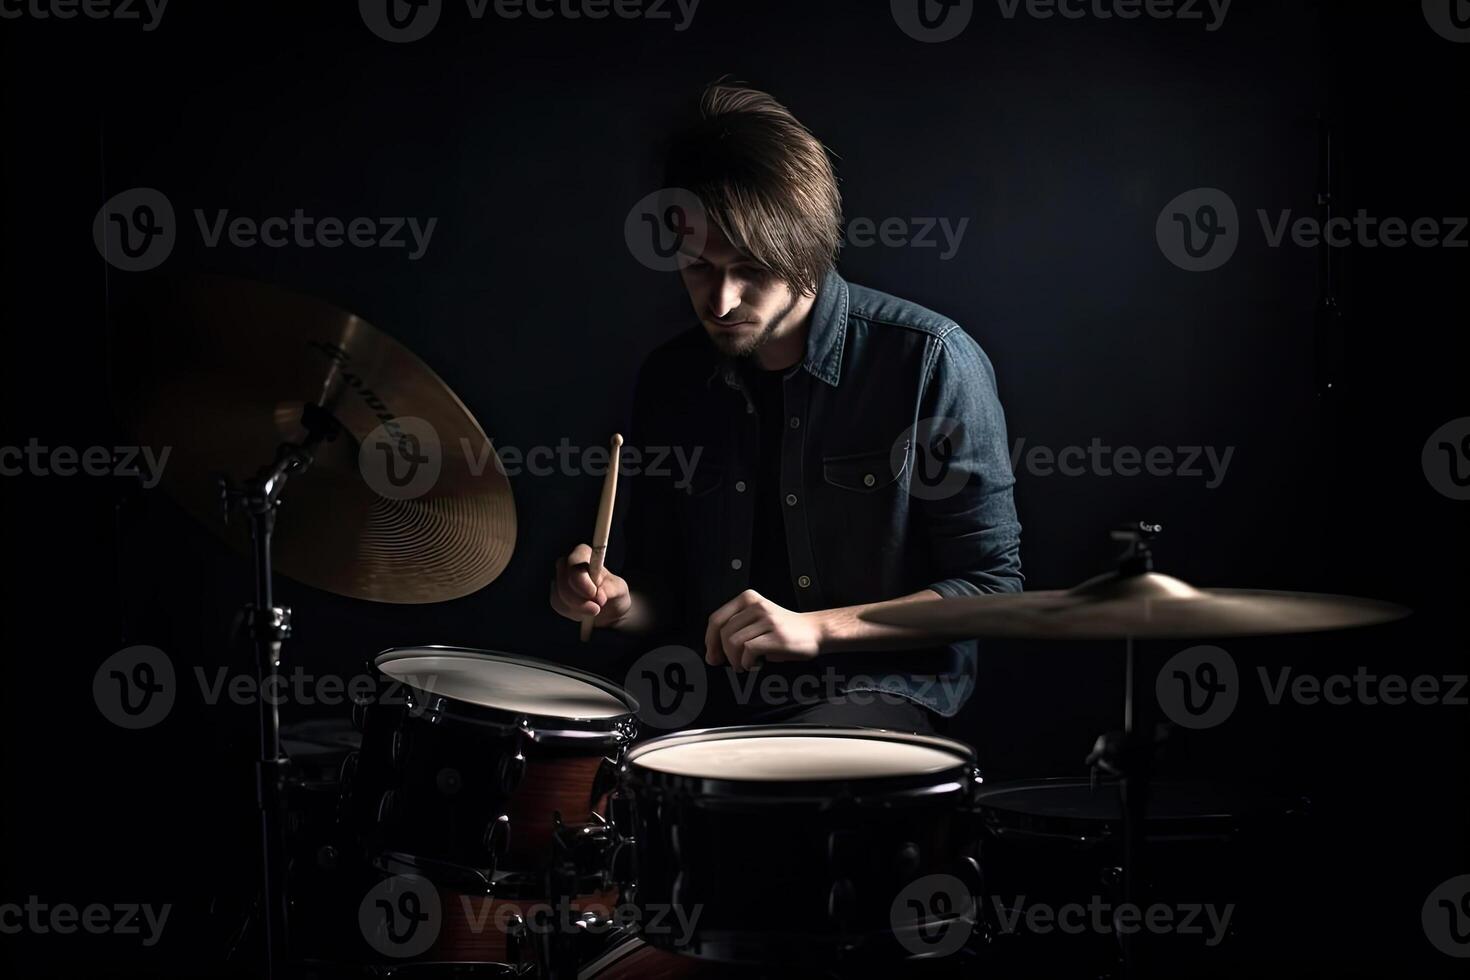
[[851, 451]]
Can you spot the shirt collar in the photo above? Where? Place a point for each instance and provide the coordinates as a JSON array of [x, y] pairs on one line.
[[826, 336]]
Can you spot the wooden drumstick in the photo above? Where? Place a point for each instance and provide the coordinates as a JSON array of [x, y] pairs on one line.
[[603, 528]]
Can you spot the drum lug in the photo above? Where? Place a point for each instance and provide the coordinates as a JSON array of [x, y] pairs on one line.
[[497, 837], [604, 782], [908, 859], [512, 770], [388, 808], [842, 902], [620, 865]]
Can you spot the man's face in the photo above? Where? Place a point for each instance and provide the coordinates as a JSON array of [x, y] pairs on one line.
[[742, 304]]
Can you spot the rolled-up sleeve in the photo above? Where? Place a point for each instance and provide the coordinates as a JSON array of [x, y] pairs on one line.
[[968, 512]]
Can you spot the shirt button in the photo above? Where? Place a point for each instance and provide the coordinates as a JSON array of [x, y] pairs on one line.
[[795, 422], [805, 581], [791, 500], [739, 486], [869, 479], [735, 564]]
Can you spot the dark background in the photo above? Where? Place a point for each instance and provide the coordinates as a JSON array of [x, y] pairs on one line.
[[1059, 140]]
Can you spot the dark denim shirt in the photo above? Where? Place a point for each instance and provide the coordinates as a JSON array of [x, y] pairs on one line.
[[895, 477]]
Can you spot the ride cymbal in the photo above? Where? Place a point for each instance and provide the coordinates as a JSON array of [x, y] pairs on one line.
[[1146, 605]]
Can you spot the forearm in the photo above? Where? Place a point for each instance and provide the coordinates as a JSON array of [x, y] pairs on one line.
[[842, 631]]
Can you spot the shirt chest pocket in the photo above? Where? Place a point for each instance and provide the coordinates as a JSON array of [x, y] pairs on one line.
[[866, 473]]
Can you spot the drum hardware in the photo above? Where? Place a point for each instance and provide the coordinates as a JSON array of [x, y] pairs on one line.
[[268, 626], [1135, 602]]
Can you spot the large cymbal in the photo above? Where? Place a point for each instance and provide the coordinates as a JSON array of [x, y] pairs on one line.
[[1145, 606], [218, 370]]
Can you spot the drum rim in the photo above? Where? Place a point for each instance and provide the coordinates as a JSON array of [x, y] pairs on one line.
[[1267, 805], [547, 725], [958, 778]]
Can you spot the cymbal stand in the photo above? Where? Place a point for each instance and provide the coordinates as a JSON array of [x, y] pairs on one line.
[[1129, 755], [269, 625]]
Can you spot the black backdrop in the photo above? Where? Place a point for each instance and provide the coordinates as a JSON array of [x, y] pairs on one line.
[[1059, 140]]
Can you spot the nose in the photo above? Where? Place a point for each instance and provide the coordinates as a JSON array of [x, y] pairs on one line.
[[725, 298]]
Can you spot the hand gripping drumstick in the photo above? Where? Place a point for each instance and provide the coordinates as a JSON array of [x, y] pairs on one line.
[[604, 524]]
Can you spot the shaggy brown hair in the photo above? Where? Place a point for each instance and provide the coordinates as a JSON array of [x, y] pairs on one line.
[[764, 180]]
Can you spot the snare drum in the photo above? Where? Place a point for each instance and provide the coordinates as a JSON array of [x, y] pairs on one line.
[[796, 844], [471, 759]]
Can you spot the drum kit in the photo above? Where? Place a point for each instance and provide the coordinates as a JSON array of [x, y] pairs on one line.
[[494, 814]]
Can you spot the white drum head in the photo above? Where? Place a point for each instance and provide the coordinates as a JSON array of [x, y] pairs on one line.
[[502, 683], [787, 755]]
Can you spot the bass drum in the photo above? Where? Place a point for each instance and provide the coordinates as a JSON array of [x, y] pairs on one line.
[[627, 957], [1051, 856]]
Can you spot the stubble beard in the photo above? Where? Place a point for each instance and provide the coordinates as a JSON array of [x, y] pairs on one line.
[[746, 349]]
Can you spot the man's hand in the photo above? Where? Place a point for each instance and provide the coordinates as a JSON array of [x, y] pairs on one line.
[[751, 628], [575, 596]]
